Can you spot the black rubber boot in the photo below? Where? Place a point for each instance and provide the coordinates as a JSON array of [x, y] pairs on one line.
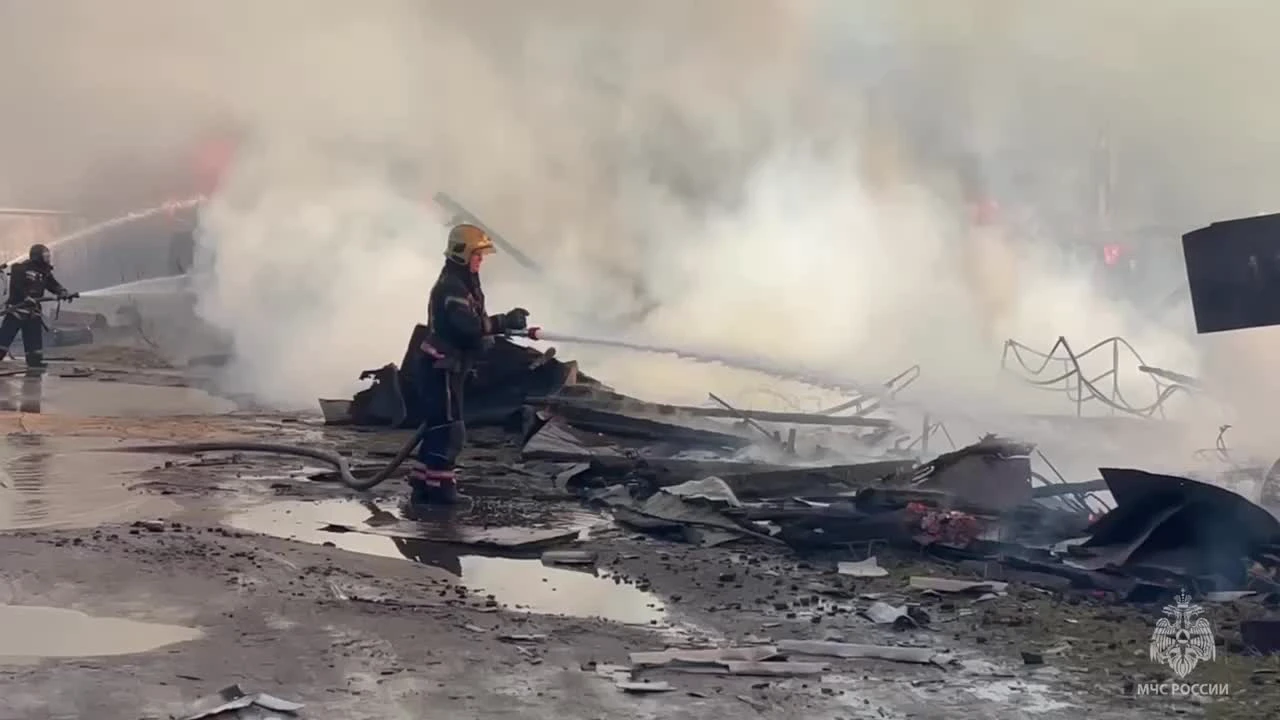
[[430, 490], [419, 493]]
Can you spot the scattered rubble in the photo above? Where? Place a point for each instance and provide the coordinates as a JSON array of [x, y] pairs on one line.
[[721, 475], [813, 568]]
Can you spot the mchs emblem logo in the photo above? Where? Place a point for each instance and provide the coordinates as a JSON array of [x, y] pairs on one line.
[[1182, 639]]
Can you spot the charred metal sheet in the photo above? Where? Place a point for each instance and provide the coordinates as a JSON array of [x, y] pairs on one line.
[[559, 442], [621, 425], [228, 702], [613, 401], [1081, 578], [1057, 489], [1138, 487], [994, 474], [336, 412], [616, 458], [838, 526], [666, 511], [1113, 549], [383, 402], [504, 378], [1233, 270], [812, 481], [1179, 526]]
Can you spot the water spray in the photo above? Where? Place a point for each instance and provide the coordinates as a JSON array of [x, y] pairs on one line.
[[168, 285], [165, 208], [808, 377]]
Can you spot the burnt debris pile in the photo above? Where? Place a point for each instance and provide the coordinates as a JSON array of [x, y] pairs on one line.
[[718, 475], [504, 378]]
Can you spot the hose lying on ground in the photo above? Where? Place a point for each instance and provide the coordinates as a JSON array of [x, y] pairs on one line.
[[326, 456]]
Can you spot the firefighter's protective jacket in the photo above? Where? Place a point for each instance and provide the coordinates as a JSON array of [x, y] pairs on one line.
[[458, 327]]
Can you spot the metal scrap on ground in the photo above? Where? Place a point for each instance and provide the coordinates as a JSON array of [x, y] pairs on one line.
[[229, 701], [724, 475]]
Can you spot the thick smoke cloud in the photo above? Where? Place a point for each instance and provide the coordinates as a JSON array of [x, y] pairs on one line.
[[789, 178]]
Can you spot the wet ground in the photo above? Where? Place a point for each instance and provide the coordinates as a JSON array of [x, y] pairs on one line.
[[32, 633], [135, 583], [515, 583], [48, 482]]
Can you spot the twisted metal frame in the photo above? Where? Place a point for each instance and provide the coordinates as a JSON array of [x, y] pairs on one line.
[[1066, 376]]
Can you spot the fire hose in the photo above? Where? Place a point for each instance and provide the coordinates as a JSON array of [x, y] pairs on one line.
[[343, 467]]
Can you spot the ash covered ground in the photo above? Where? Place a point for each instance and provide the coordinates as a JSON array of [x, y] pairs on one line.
[[136, 584]]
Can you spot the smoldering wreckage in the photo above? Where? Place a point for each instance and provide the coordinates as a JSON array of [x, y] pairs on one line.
[[972, 524], [718, 475]]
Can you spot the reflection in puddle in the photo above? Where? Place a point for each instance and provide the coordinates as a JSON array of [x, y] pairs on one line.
[[24, 395], [51, 482], [28, 632], [519, 584], [50, 394]]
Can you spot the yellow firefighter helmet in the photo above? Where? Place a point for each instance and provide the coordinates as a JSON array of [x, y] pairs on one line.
[[466, 240]]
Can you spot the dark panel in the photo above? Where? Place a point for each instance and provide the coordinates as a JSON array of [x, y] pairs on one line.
[[1233, 270]]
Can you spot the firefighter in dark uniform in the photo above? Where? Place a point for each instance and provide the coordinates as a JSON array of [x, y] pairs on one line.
[[458, 331], [29, 280]]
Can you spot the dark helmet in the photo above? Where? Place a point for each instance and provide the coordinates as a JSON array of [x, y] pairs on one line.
[[40, 254]]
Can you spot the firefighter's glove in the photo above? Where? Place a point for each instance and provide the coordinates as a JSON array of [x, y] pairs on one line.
[[68, 296], [517, 319]]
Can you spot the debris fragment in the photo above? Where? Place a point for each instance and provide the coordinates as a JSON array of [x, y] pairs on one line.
[[869, 568], [952, 585], [232, 698], [522, 638], [786, 668], [666, 511], [718, 656], [644, 686], [994, 474], [711, 489], [568, 557], [824, 648], [882, 613]]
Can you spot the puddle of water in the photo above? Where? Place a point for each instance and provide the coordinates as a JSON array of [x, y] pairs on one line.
[[28, 632], [48, 482], [50, 394], [517, 583]]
